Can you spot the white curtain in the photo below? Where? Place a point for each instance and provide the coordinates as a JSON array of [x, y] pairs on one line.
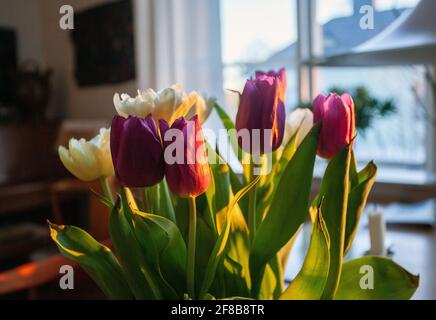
[[179, 41]]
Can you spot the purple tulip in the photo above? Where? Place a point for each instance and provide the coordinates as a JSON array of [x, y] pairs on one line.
[[261, 107], [281, 75], [137, 152], [336, 114], [187, 168]]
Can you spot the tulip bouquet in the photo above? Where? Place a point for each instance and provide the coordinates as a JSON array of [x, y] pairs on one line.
[[184, 225]]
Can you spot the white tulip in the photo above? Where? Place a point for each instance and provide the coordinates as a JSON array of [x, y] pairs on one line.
[[300, 119], [167, 104], [88, 160]]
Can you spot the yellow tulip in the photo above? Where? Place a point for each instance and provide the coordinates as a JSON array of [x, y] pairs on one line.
[[168, 104], [88, 160]]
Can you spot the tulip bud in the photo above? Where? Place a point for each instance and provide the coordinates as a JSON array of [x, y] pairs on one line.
[[137, 151], [188, 174], [336, 114], [281, 75], [88, 160], [261, 112]]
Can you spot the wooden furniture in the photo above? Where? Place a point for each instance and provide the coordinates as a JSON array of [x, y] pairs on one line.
[[32, 177], [29, 277], [98, 212]]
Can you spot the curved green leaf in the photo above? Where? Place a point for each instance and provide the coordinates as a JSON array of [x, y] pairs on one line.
[[219, 190], [221, 243], [230, 127], [139, 276], [357, 201], [166, 205], [334, 197], [268, 284], [238, 252], [289, 209], [310, 281], [375, 278], [234, 277], [164, 248], [96, 259]]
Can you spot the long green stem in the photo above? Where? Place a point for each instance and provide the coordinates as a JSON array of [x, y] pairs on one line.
[[106, 188], [252, 218], [190, 265]]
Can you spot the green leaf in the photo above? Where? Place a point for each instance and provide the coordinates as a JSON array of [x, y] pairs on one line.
[[234, 277], [96, 259], [181, 206], [354, 176], [310, 281], [357, 201], [138, 273], [287, 213], [268, 284], [103, 199], [285, 251], [288, 153], [164, 248], [219, 190], [264, 200], [230, 127], [206, 239], [276, 268], [238, 252], [166, 205], [211, 204], [389, 280], [221, 243], [334, 197], [237, 185]]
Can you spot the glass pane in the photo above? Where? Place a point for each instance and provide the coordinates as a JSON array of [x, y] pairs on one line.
[[389, 139], [258, 35]]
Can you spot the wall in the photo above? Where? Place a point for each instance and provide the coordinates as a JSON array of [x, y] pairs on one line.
[[24, 17], [71, 100]]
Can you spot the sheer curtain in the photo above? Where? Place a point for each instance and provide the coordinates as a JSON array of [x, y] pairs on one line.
[[179, 41]]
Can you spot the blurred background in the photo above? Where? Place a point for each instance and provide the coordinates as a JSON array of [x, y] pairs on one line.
[[62, 61]]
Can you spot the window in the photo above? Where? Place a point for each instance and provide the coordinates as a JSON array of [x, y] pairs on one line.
[[390, 139], [258, 35]]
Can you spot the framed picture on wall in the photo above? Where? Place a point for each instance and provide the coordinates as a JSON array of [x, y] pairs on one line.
[[104, 44], [8, 64]]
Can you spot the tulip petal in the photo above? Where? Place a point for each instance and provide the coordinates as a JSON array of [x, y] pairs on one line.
[[191, 177], [137, 151]]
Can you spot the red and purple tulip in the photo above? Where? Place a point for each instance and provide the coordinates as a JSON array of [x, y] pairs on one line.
[[262, 110], [187, 173], [137, 152], [336, 114]]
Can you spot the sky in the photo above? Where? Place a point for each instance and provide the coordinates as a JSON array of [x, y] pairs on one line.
[[254, 29]]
